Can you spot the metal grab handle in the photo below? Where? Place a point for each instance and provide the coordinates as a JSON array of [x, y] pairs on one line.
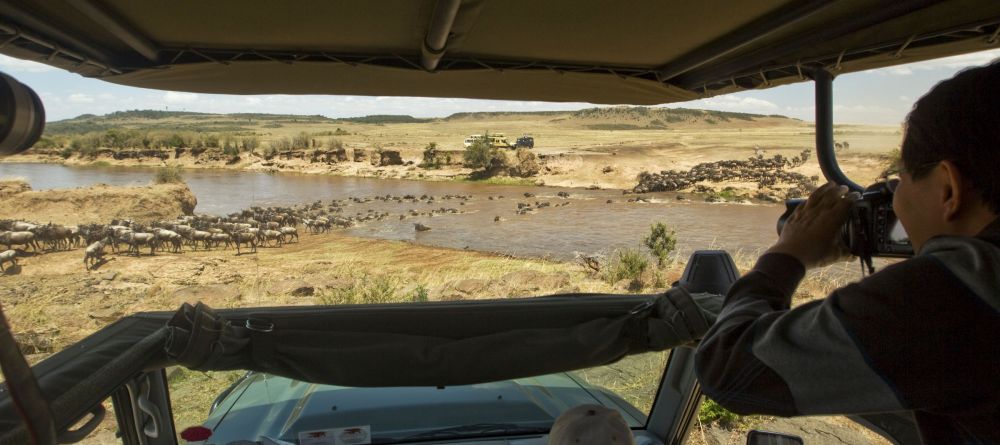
[[73, 436], [150, 429]]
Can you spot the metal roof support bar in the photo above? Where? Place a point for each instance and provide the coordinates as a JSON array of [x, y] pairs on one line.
[[17, 33], [51, 36], [824, 130], [753, 60], [436, 40], [118, 28], [755, 30]]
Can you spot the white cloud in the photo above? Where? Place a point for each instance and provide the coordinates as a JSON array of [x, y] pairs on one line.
[[734, 103], [175, 97], [944, 63], [14, 65], [900, 70], [80, 98]]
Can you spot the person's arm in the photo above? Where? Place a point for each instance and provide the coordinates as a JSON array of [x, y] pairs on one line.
[[912, 336]]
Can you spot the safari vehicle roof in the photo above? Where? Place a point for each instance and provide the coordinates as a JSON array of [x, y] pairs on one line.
[[636, 52]]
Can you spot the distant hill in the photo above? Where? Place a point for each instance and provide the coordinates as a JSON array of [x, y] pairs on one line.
[[386, 119], [598, 118], [148, 120]]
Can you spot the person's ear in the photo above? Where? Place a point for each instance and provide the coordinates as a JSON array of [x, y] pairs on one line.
[[952, 190]]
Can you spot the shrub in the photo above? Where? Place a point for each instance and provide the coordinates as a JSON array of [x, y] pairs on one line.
[[170, 174], [300, 141], [334, 143], [89, 151], [627, 264], [276, 146], [44, 142], [340, 132], [175, 140], [660, 242], [250, 143], [481, 154], [210, 141], [420, 294], [712, 412], [269, 152], [430, 156], [365, 290], [66, 153]]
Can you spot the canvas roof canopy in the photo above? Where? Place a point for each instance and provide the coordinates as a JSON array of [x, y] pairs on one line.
[[611, 52]]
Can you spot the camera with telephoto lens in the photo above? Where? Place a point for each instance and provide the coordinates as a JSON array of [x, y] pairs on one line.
[[871, 229], [22, 116]]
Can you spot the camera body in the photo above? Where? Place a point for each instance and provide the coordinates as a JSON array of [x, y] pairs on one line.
[[872, 228]]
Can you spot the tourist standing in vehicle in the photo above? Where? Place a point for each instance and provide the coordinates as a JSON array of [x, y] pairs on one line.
[[922, 335]]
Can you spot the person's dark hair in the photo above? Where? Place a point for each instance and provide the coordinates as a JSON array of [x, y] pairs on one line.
[[959, 121]]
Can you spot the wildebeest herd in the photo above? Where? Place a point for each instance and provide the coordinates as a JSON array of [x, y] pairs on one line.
[[243, 231]]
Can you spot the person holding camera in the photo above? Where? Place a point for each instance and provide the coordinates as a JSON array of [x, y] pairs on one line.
[[921, 336]]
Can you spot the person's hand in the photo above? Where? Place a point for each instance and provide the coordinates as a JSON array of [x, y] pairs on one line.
[[812, 232]]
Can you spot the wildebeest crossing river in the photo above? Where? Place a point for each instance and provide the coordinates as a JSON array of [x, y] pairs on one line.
[[584, 222]]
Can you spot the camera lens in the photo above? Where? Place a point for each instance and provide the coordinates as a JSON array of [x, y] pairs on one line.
[[22, 116]]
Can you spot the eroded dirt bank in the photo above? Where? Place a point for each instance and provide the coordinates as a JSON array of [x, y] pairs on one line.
[[96, 204]]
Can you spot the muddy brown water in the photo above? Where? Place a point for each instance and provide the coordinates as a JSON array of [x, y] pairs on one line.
[[587, 224]]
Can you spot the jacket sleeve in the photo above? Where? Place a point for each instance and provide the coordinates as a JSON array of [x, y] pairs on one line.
[[882, 344]]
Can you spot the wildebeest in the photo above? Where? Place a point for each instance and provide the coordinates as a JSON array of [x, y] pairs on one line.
[[55, 236], [26, 239], [135, 240], [8, 256], [94, 253], [245, 237], [288, 233], [168, 236], [269, 235], [219, 238]]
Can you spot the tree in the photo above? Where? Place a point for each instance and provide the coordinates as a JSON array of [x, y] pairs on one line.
[[481, 154], [661, 242], [430, 156]]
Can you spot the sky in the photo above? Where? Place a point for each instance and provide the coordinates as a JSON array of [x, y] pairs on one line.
[[878, 97]]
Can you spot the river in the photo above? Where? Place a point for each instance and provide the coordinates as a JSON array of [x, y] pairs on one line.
[[588, 224]]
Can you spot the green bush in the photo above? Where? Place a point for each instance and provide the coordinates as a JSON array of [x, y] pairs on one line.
[[301, 141], [661, 242], [281, 144], [481, 154], [627, 264], [712, 412], [430, 156], [364, 290], [420, 294], [250, 143], [170, 174]]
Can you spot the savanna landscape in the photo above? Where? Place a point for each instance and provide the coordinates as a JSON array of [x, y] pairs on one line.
[[54, 298]]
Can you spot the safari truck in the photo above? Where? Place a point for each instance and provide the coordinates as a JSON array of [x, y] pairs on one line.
[[475, 371], [496, 140]]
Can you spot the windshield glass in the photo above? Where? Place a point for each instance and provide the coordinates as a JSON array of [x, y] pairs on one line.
[[254, 405], [142, 200]]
